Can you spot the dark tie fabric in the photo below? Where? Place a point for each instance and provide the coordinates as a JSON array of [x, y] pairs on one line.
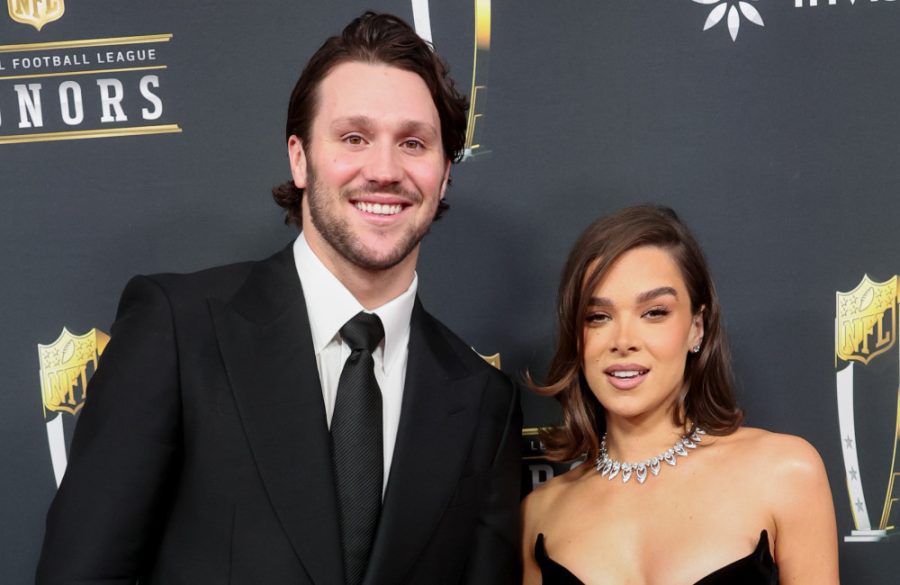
[[356, 445]]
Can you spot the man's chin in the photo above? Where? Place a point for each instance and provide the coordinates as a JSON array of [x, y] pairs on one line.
[[369, 251], [378, 260]]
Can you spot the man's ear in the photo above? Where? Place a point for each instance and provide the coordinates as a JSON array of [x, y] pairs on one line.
[[297, 156], [446, 180]]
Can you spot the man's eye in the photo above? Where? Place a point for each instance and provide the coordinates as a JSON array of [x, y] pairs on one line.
[[413, 144], [353, 139]]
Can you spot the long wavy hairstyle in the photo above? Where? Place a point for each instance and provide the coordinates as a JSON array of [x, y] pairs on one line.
[[708, 397]]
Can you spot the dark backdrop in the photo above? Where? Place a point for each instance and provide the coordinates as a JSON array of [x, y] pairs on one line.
[[778, 147]]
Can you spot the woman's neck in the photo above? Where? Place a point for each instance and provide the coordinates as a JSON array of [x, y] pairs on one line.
[[630, 440]]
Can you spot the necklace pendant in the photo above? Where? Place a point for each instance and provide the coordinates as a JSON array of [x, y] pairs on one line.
[[626, 472], [641, 474], [669, 457], [679, 448], [615, 470], [654, 466], [607, 467]]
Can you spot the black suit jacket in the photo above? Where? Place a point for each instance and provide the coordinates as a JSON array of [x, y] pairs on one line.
[[202, 453]]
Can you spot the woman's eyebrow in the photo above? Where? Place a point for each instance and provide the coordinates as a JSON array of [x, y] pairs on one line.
[[641, 298], [600, 302], [656, 292]]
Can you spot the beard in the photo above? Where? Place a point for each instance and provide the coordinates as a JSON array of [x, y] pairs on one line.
[[337, 232]]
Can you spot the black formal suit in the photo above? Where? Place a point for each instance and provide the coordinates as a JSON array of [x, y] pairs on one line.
[[203, 456]]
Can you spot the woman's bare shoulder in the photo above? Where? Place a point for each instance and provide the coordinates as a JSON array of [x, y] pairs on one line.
[[787, 475], [789, 461], [773, 446]]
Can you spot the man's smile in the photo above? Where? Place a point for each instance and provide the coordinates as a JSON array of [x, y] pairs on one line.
[[379, 208]]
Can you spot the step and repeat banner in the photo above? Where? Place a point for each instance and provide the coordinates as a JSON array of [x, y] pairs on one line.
[[142, 137]]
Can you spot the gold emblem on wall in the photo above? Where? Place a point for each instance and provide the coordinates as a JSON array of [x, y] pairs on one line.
[[865, 327], [65, 366], [494, 360], [866, 320], [37, 13]]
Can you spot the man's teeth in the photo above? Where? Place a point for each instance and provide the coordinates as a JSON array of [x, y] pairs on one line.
[[626, 373], [378, 208]]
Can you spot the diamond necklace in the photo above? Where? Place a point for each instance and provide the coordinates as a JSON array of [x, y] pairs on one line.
[[611, 467]]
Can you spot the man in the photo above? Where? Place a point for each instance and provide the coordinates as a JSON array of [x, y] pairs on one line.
[[302, 419]]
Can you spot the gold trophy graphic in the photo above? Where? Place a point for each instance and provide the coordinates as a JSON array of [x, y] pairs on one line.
[[66, 365], [865, 329], [37, 13], [478, 91]]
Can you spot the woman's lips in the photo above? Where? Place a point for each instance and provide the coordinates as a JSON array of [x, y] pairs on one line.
[[626, 377]]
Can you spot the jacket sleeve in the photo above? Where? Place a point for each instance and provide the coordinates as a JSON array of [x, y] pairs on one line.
[[104, 524], [494, 556]]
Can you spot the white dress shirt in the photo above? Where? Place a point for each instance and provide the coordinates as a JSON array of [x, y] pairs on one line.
[[330, 305]]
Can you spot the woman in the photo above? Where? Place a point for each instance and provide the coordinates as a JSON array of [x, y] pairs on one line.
[[674, 490]]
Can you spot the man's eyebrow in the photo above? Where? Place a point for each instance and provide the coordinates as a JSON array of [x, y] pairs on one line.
[[418, 128], [414, 127], [353, 121], [641, 298]]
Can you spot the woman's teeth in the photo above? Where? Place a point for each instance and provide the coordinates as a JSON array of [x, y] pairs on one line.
[[626, 373], [378, 208]]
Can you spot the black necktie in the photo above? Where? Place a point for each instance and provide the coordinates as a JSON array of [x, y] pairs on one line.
[[356, 445]]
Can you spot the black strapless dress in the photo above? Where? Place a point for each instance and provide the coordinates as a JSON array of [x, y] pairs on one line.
[[757, 568]]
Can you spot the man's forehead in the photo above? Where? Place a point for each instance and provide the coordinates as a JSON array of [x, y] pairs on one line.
[[359, 89]]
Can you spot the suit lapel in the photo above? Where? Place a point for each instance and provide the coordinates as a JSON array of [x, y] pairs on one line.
[[439, 414], [267, 349]]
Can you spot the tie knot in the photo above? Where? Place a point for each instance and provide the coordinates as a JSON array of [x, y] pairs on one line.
[[364, 331]]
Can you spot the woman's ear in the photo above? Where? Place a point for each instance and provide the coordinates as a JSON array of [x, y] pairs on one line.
[[697, 330]]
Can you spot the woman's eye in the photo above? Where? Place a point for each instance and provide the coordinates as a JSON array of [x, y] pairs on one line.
[[657, 313], [597, 318]]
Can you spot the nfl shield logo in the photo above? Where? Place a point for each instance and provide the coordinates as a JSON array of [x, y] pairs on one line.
[[866, 324], [66, 366], [37, 13]]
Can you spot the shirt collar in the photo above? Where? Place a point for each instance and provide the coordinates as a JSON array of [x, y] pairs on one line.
[[330, 305]]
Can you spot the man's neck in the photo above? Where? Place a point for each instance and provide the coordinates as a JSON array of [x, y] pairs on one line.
[[372, 288]]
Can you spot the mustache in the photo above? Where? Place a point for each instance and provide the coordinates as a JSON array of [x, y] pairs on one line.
[[389, 189]]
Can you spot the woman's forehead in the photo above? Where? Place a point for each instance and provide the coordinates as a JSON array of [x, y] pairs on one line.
[[638, 271]]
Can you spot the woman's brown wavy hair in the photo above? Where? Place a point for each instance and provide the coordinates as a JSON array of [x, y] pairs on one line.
[[708, 400]]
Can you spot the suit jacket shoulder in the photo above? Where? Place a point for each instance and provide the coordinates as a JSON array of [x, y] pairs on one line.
[[466, 354]]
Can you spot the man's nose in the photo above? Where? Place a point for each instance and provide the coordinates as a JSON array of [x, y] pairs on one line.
[[383, 165]]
